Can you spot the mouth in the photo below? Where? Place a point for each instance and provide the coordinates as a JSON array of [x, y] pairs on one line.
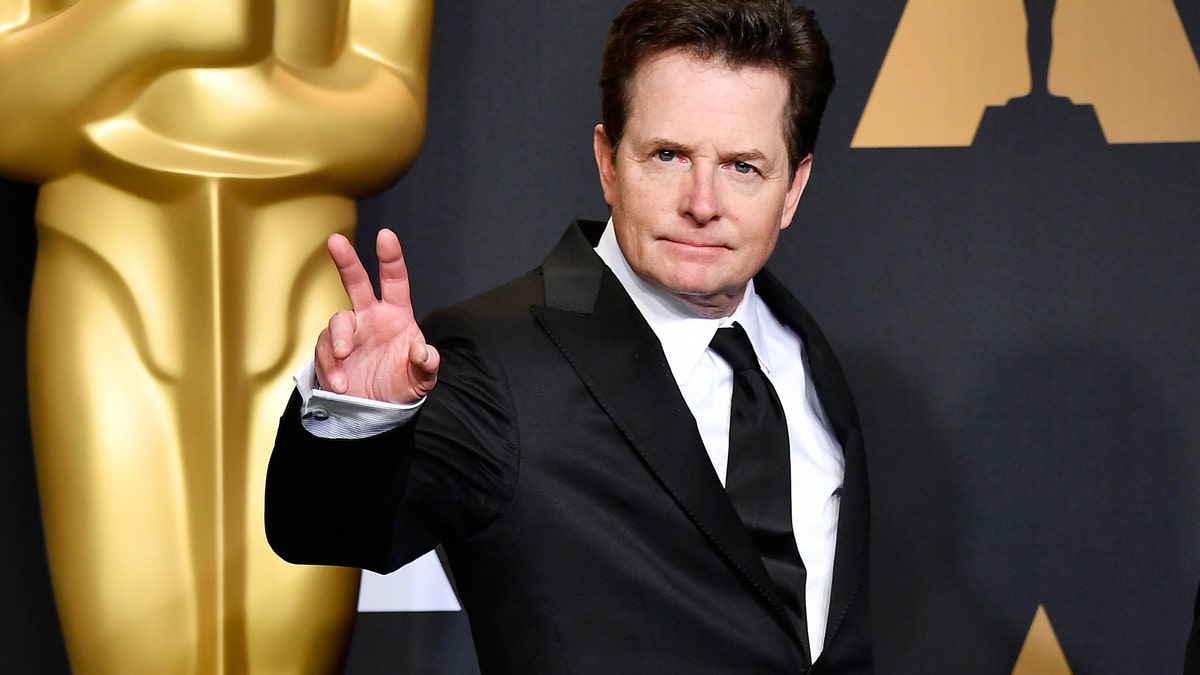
[[697, 252], [693, 244]]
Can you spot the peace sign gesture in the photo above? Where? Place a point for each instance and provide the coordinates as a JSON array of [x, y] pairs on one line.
[[375, 349]]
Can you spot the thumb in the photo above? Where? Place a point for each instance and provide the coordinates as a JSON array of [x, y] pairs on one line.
[[424, 361]]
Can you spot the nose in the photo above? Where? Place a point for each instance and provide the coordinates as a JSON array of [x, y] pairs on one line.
[[700, 201]]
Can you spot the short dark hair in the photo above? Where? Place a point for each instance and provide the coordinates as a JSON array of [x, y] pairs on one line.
[[737, 33]]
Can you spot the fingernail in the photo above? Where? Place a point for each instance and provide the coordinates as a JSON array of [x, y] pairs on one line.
[[426, 359], [337, 384], [339, 345]]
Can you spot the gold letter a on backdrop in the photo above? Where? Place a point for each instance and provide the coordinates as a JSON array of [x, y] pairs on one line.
[[1041, 653], [950, 59]]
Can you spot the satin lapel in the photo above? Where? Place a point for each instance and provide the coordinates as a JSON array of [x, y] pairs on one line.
[[621, 362], [850, 555]]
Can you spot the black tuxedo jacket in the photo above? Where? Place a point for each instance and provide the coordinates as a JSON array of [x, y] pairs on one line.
[[559, 466]]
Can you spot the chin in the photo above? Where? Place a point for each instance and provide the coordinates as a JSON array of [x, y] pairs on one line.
[[691, 279], [687, 287], [701, 290]]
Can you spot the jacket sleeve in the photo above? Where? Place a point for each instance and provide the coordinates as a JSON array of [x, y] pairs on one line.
[[379, 502]]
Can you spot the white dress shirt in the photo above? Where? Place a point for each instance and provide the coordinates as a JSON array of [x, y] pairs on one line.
[[706, 382]]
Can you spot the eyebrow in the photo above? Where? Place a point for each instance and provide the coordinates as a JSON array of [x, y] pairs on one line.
[[664, 144], [746, 156]]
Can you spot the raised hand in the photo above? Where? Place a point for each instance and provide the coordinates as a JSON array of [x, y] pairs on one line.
[[375, 349]]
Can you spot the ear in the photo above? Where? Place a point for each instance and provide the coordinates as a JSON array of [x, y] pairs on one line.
[[792, 198], [603, 149]]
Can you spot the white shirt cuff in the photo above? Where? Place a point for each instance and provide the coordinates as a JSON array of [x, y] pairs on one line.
[[337, 416]]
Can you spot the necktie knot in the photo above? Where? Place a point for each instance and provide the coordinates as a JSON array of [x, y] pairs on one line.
[[733, 345]]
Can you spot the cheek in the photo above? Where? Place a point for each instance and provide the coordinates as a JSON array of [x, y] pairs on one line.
[[639, 212], [644, 196], [630, 238], [650, 191], [759, 242]]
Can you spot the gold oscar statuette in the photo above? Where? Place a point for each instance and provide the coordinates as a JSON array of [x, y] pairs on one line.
[[193, 156]]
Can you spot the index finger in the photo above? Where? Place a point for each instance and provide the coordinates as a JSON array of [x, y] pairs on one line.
[[350, 269]]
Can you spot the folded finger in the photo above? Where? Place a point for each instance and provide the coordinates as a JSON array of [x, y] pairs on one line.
[[341, 333], [328, 368]]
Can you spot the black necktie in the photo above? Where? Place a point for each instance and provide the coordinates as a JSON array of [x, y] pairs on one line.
[[759, 476]]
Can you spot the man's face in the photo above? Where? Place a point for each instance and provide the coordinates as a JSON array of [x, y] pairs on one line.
[[699, 186]]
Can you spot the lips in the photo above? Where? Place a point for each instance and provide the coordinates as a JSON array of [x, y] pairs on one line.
[[694, 244]]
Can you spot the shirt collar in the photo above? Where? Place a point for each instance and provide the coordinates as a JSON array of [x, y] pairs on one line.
[[683, 335]]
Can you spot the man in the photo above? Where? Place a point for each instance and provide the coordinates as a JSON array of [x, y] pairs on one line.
[[568, 438]]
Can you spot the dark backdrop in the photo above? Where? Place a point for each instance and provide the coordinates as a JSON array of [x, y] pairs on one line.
[[1018, 320]]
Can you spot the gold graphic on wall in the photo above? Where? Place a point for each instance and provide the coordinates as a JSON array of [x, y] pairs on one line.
[[1041, 653], [193, 156], [949, 60]]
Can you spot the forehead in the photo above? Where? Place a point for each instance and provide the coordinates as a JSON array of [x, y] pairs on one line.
[[677, 88]]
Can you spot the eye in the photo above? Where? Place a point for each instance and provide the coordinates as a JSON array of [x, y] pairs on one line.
[[665, 155], [743, 167]]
